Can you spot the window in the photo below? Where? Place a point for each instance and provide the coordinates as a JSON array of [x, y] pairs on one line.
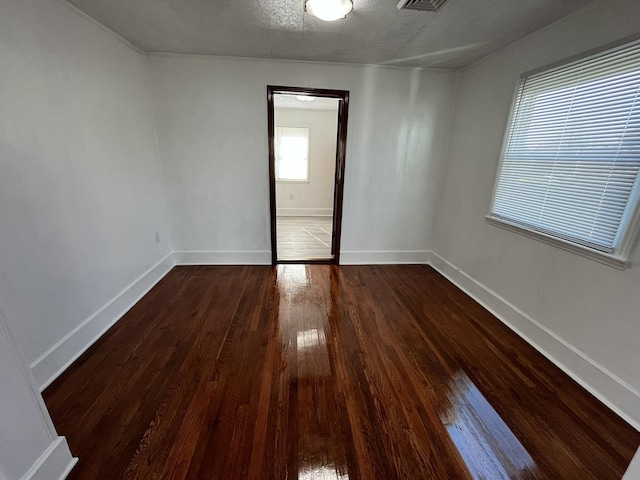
[[292, 154], [569, 168]]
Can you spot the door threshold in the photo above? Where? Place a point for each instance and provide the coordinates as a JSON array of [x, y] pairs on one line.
[[315, 261]]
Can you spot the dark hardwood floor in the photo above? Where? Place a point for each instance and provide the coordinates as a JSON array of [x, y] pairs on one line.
[[324, 372]]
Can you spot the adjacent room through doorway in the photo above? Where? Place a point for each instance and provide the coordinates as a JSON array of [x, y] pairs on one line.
[[307, 163]]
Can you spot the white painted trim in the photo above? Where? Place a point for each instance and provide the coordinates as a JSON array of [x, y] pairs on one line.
[[603, 384], [379, 257], [304, 212], [63, 353], [610, 389], [56, 461], [48, 366], [54, 464], [633, 470], [226, 257]]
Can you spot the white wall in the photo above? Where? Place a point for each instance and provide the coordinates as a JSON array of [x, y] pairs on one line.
[[592, 308], [314, 197], [81, 194], [212, 129], [29, 445]]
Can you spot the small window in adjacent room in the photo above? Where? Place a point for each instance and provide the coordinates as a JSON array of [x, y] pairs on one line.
[[569, 167], [292, 154]]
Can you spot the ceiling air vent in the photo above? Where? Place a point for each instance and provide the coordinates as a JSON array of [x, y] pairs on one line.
[[428, 5]]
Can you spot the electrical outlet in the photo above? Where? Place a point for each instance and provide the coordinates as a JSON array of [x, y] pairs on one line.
[[157, 237], [291, 197]]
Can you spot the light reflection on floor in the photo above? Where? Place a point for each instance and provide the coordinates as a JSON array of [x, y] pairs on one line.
[[303, 321], [308, 339], [321, 472], [489, 448], [293, 281]]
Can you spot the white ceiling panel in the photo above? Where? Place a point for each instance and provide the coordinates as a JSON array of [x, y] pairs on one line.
[[461, 32]]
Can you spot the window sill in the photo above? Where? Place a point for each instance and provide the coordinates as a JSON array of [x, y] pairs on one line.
[[608, 259]]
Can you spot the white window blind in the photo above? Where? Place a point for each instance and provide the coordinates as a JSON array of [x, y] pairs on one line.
[[571, 158], [292, 153]]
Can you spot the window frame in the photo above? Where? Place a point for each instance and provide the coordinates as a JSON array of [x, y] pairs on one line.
[[620, 257], [308, 137]]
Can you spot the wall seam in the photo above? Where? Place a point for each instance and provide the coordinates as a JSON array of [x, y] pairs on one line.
[[435, 221], [102, 26], [168, 220]]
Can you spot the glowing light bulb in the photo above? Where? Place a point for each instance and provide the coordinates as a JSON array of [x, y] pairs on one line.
[[329, 10]]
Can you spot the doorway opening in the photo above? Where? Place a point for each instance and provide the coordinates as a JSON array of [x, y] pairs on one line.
[[307, 132]]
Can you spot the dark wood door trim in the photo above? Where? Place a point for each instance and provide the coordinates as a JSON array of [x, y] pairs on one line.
[[341, 153], [272, 173]]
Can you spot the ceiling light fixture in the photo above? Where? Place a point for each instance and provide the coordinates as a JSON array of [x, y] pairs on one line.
[[328, 10]]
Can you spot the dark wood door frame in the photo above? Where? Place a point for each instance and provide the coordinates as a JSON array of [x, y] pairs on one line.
[[341, 151]]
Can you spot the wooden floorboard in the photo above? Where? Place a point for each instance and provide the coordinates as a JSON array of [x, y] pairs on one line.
[[326, 372], [304, 238]]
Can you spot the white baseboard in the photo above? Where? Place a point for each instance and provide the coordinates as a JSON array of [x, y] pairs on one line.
[[603, 384], [56, 359], [63, 353], [54, 464], [304, 212], [614, 392], [633, 470], [384, 257], [211, 257]]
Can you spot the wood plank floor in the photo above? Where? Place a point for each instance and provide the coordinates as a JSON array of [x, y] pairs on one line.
[[325, 372], [304, 238]]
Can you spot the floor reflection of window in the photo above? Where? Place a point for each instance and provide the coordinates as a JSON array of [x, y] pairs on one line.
[[489, 448], [308, 339], [321, 472], [294, 278]]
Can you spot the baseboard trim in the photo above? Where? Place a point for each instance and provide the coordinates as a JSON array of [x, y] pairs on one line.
[[214, 257], [304, 212], [620, 397], [63, 353], [54, 464], [381, 257], [633, 470]]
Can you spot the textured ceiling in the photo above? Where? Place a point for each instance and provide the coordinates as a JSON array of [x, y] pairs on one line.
[[376, 32]]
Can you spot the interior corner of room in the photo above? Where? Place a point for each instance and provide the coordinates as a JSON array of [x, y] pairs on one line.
[[130, 149]]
